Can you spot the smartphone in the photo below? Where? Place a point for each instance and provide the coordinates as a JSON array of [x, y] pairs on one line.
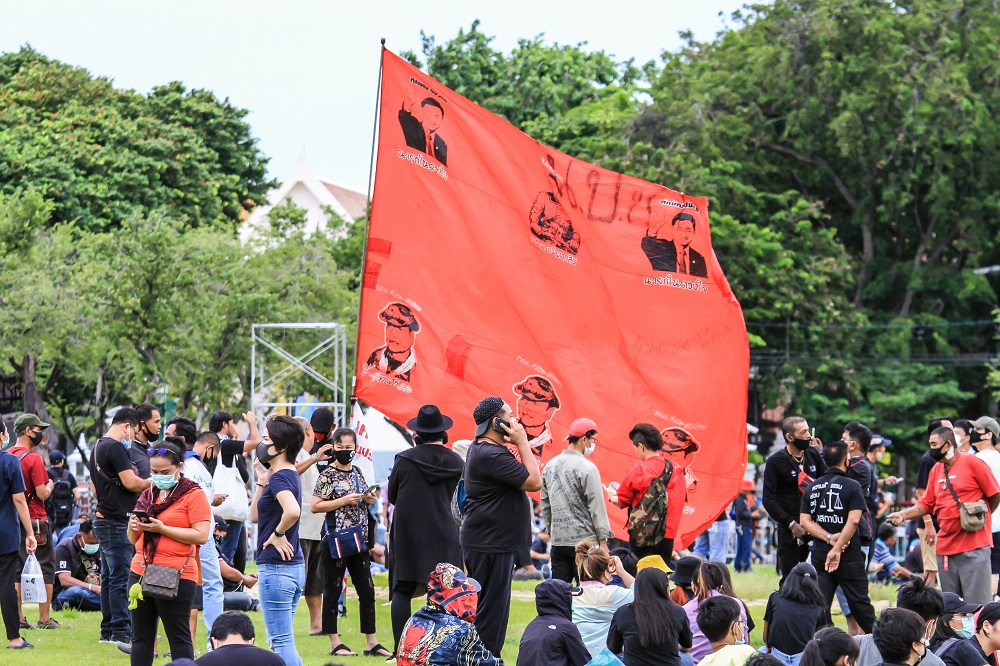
[[498, 424], [141, 515], [372, 489]]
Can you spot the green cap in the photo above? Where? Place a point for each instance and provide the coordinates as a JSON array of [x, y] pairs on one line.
[[25, 421]]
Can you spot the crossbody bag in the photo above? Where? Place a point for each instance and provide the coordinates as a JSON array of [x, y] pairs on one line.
[[972, 515]]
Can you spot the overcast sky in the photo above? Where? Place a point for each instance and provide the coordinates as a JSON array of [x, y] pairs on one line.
[[307, 71]]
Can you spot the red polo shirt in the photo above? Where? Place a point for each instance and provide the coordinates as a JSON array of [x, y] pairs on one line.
[[972, 480], [637, 480]]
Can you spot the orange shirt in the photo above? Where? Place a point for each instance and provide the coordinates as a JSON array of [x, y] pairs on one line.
[[190, 509]]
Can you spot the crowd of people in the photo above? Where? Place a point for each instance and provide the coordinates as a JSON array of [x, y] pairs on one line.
[[164, 542]]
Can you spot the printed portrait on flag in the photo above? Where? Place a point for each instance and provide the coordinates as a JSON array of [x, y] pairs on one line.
[[496, 265]]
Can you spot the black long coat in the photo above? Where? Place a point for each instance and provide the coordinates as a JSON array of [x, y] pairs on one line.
[[423, 532]]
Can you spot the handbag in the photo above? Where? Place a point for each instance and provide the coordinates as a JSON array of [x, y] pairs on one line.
[[38, 526], [160, 582], [972, 515], [344, 543], [227, 481]]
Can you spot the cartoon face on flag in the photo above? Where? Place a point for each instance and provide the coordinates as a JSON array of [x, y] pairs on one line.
[[496, 265]]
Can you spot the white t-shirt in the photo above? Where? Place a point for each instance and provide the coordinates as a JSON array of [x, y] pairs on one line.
[[195, 470], [310, 524], [991, 457]]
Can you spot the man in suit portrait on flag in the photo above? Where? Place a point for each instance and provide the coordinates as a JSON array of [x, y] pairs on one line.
[[675, 255]]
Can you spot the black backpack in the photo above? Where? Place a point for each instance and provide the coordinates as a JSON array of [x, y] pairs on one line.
[[61, 502]]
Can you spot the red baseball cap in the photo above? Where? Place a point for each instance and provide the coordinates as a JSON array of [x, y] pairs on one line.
[[580, 427]]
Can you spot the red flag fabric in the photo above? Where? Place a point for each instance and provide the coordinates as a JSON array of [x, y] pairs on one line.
[[498, 266]]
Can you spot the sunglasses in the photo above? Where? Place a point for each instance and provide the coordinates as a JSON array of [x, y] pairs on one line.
[[162, 452]]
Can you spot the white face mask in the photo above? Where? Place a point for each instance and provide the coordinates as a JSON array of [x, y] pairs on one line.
[[591, 445], [950, 454], [880, 455]]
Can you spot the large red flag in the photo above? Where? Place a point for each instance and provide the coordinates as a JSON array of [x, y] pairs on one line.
[[499, 266]]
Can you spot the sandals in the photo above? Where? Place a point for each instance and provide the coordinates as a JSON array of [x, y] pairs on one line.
[[25, 645], [375, 651], [339, 651]]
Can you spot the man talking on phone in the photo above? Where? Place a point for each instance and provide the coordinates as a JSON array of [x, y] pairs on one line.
[[497, 522]]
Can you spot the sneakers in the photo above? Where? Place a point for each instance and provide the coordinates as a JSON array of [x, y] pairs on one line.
[[121, 639], [105, 639], [50, 624], [26, 625]]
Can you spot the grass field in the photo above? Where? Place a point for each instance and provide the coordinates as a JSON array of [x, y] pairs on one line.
[[78, 644]]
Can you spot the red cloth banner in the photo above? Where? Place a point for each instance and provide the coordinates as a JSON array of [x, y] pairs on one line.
[[499, 266]]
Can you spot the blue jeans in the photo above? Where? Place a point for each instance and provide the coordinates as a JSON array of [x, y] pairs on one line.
[[713, 544], [686, 659], [280, 588], [211, 586], [237, 530], [786, 659], [116, 558], [77, 597], [744, 544]]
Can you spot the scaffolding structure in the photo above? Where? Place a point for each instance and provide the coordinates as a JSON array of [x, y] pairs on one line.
[[267, 386]]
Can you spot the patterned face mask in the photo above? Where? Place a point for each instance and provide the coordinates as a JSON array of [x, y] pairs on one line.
[[450, 589]]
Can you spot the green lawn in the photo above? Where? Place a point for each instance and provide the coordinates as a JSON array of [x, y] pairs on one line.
[[67, 646]]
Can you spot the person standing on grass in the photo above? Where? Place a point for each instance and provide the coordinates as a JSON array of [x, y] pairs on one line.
[[497, 523], [176, 520], [420, 487], [308, 463], [14, 518], [275, 508], [963, 556], [572, 500], [341, 494], [30, 431], [116, 487]]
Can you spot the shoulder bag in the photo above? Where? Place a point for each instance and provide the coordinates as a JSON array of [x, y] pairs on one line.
[[971, 514], [160, 582]]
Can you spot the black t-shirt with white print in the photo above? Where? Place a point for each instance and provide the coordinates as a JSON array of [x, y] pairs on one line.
[[829, 500]]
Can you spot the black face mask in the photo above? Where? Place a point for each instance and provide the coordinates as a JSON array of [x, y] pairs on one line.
[[975, 437], [264, 455], [802, 444], [344, 457], [37, 438], [937, 454]]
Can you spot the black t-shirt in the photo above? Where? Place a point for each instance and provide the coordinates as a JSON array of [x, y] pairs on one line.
[[781, 484], [139, 453], [790, 625], [244, 655], [858, 469], [497, 512], [962, 652], [70, 559], [829, 500], [624, 636], [114, 501], [924, 468], [229, 449]]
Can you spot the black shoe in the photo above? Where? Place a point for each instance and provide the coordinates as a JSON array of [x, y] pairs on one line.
[[125, 647]]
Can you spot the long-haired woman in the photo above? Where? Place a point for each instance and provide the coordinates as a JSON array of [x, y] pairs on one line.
[[830, 647], [794, 614], [712, 579], [652, 628]]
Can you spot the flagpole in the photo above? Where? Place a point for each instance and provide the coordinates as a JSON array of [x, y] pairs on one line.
[[372, 160]]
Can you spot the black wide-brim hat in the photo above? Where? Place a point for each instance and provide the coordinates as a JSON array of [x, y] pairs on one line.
[[685, 570], [430, 420]]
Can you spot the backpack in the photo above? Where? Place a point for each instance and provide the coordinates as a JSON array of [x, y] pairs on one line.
[[61, 502], [647, 522], [458, 502]]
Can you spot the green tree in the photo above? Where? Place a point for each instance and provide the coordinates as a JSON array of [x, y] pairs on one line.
[[101, 154]]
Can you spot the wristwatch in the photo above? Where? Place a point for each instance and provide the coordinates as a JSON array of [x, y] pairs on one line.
[[829, 539], [279, 534]]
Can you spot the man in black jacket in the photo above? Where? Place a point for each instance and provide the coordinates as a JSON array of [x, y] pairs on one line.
[[787, 473], [551, 639]]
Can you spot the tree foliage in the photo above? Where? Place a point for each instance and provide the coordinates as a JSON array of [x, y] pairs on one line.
[[100, 154]]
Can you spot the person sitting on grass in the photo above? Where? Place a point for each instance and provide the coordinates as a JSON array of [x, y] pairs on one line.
[[442, 632], [594, 608], [652, 629], [232, 640], [884, 566], [712, 580], [794, 614], [719, 619], [955, 627], [551, 639], [923, 600], [830, 647], [899, 636]]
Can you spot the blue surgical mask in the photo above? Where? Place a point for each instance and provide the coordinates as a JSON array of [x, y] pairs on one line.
[[968, 628], [127, 443], [164, 481], [91, 548]]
